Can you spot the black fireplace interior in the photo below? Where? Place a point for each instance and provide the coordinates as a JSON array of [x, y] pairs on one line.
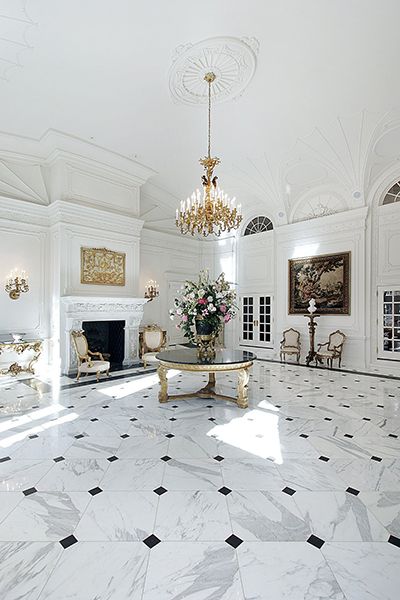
[[107, 337]]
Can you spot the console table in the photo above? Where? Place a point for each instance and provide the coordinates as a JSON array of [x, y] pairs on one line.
[[19, 357]]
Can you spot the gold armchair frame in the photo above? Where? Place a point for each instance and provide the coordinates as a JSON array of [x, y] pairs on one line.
[[333, 352], [85, 355], [290, 349], [147, 350]]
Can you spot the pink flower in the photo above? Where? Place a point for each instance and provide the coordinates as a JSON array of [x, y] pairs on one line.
[[184, 318], [205, 313], [202, 301], [223, 308], [227, 318]]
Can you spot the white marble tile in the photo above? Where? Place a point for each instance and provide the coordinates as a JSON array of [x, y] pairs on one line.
[[74, 475], [41, 448], [22, 474], [93, 447], [193, 570], [8, 501], [118, 516], [192, 446], [365, 474], [266, 516], [192, 474], [191, 516], [309, 474], [25, 568], [143, 447], [289, 571], [339, 516], [133, 474], [44, 516], [99, 570], [365, 571], [386, 507], [251, 474]]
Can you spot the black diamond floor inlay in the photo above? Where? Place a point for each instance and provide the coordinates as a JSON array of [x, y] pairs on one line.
[[165, 458], [169, 435], [94, 420], [58, 459], [79, 436], [4, 459], [234, 541], [94, 491], [160, 491], [289, 491], [218, 458], [224, 490], [124, 436], [112, 458], [353, 491], [323, 458], [68, 541], [315, 541], [377, 458], [151, 541], [29, 491], [394, 540], [133, 419]]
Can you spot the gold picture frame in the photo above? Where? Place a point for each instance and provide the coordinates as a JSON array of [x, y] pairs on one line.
[[326, 278], [101, 266]]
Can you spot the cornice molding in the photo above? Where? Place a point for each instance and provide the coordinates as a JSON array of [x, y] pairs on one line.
[[349, 220]]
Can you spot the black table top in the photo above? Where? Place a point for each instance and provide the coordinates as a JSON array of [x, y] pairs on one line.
[[222, 357]]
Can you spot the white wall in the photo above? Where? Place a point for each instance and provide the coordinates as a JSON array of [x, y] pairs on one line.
[[170, 260]]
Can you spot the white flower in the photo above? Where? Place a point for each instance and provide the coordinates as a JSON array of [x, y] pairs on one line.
[[178, 311], [210, 298], [171, 317], [202, 292], [211, 308]]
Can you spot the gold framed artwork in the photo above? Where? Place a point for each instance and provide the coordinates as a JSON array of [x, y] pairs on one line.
[[100, 266], [325, 278]]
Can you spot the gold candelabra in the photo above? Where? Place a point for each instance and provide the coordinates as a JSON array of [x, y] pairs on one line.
[[16, 284], [152, 290], [212, 212]]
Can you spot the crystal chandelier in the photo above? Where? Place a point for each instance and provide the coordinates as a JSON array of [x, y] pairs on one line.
[[211, 212]]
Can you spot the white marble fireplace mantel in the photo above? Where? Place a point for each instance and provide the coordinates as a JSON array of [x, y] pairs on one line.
[[77, 309]]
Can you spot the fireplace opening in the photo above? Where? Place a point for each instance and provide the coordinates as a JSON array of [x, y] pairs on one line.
[[107, 337]]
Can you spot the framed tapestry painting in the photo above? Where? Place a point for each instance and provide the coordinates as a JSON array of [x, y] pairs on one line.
[[100, 266], [325, 278]]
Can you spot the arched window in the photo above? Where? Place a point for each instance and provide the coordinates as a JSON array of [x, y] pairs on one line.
[[258, 225], [392, 195]]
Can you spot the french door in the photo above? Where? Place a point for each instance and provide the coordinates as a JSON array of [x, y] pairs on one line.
[[389, 323], [255, 320]]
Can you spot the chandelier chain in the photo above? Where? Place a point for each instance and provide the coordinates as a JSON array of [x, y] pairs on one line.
[[209, 119]]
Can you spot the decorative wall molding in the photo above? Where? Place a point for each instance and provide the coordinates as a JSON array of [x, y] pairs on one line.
[[233, 60]]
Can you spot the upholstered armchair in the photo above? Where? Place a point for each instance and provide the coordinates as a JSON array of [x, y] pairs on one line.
[[331, 350], [290, 344], [153, 341], [86, 364]]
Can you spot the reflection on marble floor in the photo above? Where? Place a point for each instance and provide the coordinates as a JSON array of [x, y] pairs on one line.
[[107, 495]]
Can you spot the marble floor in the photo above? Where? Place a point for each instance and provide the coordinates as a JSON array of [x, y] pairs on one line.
[[107, 495]]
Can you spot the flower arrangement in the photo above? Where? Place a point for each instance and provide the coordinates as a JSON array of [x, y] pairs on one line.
[[212, 302]]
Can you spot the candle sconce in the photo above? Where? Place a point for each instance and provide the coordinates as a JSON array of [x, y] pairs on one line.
[[152, 290], [16, 284]]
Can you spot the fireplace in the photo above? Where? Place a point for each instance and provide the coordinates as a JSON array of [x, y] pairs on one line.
[[79, 312], [107, 337]]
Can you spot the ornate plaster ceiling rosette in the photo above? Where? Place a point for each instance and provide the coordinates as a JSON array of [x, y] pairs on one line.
[[233, 61], [14, 25]]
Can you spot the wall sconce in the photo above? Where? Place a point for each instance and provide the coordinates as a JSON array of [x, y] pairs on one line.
[[152, 290], [16, 283]]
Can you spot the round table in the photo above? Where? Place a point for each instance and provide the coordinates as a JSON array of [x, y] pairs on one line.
[[224, 361]]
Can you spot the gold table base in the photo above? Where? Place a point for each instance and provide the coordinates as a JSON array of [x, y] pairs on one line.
[[208, 391], [20, 347]]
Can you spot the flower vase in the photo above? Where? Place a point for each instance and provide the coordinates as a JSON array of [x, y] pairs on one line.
[[205, 339]]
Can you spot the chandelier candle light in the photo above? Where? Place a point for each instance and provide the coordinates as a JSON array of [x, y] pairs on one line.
[[16, 283], [211, 212], [152, 290]]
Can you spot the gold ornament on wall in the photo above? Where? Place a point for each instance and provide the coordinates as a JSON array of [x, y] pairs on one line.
[[16, 284], [100, 266]]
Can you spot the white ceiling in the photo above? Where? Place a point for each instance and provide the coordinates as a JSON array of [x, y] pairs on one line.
[[98, 69]]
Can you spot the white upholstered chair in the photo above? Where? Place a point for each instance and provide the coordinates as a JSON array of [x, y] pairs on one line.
[[153, 340], [290, 344], [331, 350], [86, 364]]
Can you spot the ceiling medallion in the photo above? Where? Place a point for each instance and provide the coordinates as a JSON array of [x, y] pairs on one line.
[[232, 60], [14, 25], [213, 212]]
